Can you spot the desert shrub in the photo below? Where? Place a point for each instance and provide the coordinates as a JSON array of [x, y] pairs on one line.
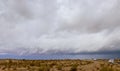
[[101, 65], [59, 67], [10, 61], [117, 70], [14, 68], [73, 68], [3, 68], [28, 67], [44, 68], [32, 64], [52, 64], [39, 69], [47, 69], [106, 69]]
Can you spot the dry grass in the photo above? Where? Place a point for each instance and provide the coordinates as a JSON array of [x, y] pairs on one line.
[[58, 65]]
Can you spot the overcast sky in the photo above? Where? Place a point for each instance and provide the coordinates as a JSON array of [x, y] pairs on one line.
[[59, 26]]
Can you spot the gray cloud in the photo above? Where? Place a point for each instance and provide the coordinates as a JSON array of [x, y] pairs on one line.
[[58, 26]]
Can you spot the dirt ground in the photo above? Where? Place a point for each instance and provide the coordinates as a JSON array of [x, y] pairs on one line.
[[59, 65]]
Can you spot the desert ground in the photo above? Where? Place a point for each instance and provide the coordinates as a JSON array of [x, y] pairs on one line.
[[59, 65]]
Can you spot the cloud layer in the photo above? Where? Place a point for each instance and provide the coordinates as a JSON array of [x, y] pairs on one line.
[[59, 26]]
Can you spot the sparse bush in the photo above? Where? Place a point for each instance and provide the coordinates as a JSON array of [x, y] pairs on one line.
[[59, 67], [28, 67], [44, 68], [106, 69], [52, 64], [73, 68], [32, 64], [14, 68], [3, 68]]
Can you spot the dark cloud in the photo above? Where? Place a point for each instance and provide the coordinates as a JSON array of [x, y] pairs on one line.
[[58, 26]]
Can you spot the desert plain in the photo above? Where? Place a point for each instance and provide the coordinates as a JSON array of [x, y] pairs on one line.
[[59, 65]]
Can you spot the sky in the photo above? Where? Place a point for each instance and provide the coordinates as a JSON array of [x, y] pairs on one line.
[[59, 26]]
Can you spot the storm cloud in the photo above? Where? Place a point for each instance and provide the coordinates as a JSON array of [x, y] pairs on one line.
[[59, 26]]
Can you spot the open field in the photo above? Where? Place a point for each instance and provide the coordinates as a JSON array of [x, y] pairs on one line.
[[58, 65]]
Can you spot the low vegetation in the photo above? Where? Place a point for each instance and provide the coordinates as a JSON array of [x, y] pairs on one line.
[[58, 65]]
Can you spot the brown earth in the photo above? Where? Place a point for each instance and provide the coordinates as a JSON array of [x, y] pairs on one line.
[[59, 65]]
